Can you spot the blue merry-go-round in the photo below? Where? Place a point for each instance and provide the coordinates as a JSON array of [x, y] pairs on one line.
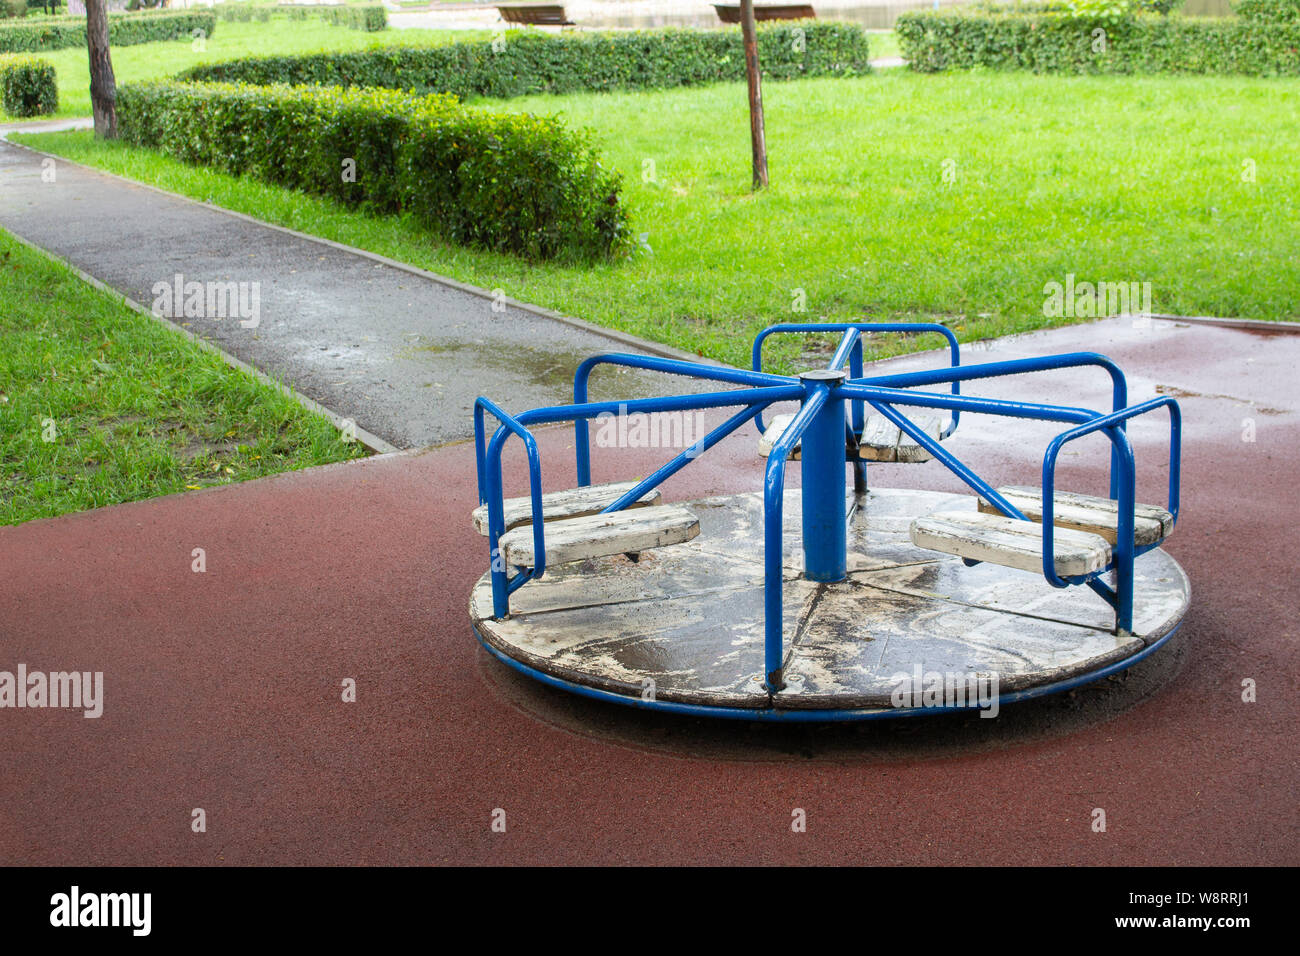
[[843, 602]]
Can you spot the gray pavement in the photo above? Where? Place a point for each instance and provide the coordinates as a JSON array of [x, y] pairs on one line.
[[400, 352]]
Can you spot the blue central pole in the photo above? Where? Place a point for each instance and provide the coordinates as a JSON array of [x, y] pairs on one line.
[[822, 450]]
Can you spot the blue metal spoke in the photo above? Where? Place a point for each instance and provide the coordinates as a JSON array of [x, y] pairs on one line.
[[686, 457], [582, 379]]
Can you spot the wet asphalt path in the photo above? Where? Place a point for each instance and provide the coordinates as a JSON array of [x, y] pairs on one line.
[[402, 354]]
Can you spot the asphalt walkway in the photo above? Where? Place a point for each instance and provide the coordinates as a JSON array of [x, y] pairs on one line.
[[401, 352]]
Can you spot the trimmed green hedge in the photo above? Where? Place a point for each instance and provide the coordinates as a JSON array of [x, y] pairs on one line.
[[514, 183], [56, 33], [1072, 6], [237, 12], [369, 18], [1142, 44], [27, 85], [533, 62], [1269, 11]]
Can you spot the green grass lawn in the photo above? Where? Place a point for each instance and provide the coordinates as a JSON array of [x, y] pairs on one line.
[[99, 404], [1120, 179], [884, 43], [229, 41]]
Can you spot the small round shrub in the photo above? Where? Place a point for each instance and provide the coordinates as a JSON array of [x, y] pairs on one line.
[[28, 86]]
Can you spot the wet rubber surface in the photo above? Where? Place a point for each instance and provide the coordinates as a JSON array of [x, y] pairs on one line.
[[222, 689]]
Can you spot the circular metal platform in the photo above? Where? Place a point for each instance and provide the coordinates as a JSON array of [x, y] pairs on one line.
[[909, 631]]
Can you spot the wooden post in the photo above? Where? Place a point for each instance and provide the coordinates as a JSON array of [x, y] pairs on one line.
[[749, 32], [103, 88]]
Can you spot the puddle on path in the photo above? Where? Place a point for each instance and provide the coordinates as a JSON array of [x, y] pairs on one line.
[[549, 368]]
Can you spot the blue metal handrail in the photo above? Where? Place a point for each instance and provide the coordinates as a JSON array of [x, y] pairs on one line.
[[1175, 441], [774, 538], [968, 403], [853, 347], [1004, 408], [1125, 545], [582, 378], [489, 462], [1044, 363], [490, 493]]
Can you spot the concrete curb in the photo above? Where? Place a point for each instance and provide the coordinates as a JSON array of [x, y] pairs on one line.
[[1243, 324], [45, 126]]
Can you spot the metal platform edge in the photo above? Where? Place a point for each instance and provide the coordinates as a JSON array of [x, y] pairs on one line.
[[820, 715]]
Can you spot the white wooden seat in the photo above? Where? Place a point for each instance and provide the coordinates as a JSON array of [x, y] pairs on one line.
[[1086, 513], [598, 535], [561, 505], [775, 428], [882, 440], [1011, 542]]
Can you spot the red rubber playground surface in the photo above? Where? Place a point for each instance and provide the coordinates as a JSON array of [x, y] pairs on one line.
[[222, 689]]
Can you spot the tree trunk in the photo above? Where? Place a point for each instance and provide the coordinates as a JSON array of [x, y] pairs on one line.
[[759, 140], [103, 88]]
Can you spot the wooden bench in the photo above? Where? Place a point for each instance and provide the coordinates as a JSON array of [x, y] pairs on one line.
[[560, 505], [1086, 530], [1099, 516], [535, 14], [882, 440], [601, 535], [1010, 542], [730, 12], [576, 529]]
